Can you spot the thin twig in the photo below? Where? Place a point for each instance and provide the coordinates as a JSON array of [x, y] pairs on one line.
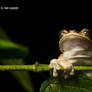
[[37, 67]]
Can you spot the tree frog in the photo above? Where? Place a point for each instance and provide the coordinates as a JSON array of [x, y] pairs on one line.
[[76, 49]]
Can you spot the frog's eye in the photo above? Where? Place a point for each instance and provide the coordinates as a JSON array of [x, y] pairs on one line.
[[62, 33], [85, 31]]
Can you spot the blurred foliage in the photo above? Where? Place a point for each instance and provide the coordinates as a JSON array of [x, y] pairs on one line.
[[13, 54], [12, 50], [77, 83]]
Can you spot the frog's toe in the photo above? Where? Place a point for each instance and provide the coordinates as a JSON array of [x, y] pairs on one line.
[[72, 71], [54, 65], [66, 76], [68, 72]]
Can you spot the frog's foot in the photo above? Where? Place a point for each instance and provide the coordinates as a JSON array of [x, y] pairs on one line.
[[68, 68], [54, 65], [68, 73]]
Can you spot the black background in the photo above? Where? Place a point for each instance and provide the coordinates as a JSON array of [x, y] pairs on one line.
[[38, 29]]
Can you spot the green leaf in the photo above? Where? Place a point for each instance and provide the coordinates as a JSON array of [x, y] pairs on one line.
[[77, 83], [3, 35], [22, 76], [12, 50], [9, 49], [13, 54]]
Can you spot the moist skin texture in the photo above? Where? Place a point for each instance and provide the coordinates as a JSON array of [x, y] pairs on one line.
[[77, 50]]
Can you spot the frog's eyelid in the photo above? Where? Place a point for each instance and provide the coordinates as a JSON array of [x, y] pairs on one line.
[[65, 31], [61, 33], [86, 33], [85, 30]]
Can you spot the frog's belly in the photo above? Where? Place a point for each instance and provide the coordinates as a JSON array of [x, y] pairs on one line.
[[80, 61], [78, 56]]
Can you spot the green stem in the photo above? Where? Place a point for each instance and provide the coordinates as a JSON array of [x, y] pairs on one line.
[[37, 67]]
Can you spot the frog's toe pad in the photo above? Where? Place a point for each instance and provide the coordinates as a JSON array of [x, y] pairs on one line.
[[72, 72], [54, 65], [68, 73]]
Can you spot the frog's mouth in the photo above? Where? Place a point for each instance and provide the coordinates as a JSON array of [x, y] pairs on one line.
[[72, 36], [71, 41]]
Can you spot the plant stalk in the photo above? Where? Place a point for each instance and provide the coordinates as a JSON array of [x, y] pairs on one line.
[[36, 67]]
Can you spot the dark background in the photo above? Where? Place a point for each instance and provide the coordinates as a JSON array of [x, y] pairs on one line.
[[38, 30]]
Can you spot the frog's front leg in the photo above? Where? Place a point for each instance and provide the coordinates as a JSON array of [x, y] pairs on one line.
[[56, 64], [67, 66]]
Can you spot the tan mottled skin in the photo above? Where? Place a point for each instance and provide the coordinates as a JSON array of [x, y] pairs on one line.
[[76, 49]]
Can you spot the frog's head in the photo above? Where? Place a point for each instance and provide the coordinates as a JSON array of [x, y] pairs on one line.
[[71, 39]]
